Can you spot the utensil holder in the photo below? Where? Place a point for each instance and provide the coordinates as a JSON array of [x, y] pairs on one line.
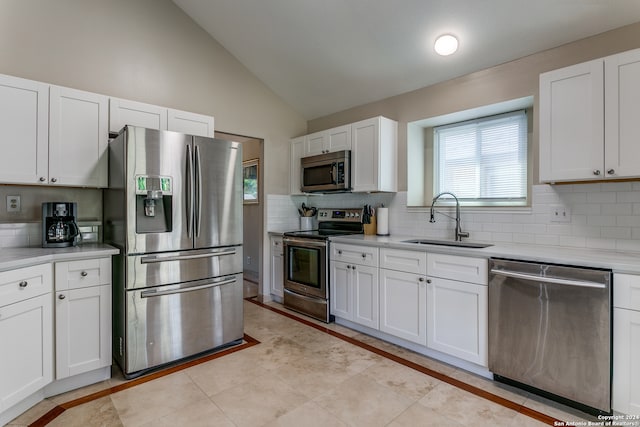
[[306, 223]]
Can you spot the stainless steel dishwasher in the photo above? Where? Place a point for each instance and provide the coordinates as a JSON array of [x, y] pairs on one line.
[[550, 331]]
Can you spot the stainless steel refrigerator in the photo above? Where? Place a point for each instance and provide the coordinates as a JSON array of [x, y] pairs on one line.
[[174, 209]]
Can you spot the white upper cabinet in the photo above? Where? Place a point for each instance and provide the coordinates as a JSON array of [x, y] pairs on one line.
[[622, 108], [296, 153], [328, 141], [52, 135], [78, 138], [24, 124], [123, 112], [587, 127], [373, 156], [190, 123]]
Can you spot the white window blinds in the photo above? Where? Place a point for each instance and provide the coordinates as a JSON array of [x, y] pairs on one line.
[[483, 161]]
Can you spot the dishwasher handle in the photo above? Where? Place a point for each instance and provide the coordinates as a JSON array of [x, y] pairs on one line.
[[553, 280]]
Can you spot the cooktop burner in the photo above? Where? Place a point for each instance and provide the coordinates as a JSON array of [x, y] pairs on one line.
[[333, 222]]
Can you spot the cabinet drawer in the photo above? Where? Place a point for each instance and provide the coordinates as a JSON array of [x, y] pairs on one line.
[[83, 273], [626, 292], [402, 260], [276, 245], [24, 283], [355, 254], [464, 269]]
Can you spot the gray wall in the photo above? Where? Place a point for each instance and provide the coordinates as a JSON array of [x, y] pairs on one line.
[[149, 51], [515, 79]]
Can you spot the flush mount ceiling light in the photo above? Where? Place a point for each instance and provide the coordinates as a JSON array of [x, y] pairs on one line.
[[446, 45]]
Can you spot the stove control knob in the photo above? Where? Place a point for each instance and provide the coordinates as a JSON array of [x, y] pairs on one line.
[[357, 215]]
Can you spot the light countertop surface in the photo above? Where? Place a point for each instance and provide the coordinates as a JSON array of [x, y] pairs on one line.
[[619, 262], [11, 258]]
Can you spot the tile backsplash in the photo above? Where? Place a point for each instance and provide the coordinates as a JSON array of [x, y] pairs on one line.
[[601, 216]]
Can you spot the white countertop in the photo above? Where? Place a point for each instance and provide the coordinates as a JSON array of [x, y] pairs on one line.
[[619, 262], [11, 258]]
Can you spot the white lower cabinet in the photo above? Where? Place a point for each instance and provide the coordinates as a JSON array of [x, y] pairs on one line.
[[403, 305], [26, 333], [457, 307], [277, 268], [457, 319], [354, 293], [83, 316], [626, 344], [26, 362]]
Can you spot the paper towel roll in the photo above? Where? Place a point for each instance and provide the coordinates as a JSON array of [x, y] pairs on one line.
[[383, 221]]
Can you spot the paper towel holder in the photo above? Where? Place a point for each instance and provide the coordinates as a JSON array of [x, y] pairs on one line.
[[383, 221]]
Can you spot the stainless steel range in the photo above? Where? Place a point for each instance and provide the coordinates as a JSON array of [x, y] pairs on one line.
[[306, 260]]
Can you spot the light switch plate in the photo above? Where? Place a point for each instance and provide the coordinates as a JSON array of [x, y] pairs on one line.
[[13, 203]]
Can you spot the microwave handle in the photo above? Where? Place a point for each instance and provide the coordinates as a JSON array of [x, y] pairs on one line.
[[333, 172]]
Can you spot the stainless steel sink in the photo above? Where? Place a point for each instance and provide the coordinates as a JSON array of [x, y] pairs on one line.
[[449, 243]]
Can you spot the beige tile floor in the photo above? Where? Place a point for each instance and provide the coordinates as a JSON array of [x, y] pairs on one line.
[[300, 376]]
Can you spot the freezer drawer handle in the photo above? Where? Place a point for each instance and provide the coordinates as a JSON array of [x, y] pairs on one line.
[[154, 293], [553, 280], [152, 259]]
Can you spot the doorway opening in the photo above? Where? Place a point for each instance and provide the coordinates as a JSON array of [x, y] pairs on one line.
[[253, 210]]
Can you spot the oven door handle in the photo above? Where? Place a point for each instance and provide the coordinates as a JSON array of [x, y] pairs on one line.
[[291, 241]]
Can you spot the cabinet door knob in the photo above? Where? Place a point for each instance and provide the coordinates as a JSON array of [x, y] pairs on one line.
[[61, 296], [339, 252], [54, 179], [611, 171], [42, 179], [364, 255], [23, 284], [353, 266], [84, 274], [349, 267], [421, 279], [596, 172], [428, 280]]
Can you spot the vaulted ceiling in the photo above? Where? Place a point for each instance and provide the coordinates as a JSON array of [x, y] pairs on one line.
[[324, 56]]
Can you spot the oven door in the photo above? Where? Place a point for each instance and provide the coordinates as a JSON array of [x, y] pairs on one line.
[[306, 266]]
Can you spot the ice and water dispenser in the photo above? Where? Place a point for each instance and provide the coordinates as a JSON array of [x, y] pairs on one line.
[[154, 204]]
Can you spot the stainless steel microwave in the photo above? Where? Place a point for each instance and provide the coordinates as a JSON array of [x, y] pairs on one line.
[[326, 172]]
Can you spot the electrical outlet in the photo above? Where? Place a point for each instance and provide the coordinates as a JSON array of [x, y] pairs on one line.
[[13, 203], [560, 213], [248, 260]]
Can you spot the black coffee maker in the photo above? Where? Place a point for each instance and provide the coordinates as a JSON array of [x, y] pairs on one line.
[[59, 228]]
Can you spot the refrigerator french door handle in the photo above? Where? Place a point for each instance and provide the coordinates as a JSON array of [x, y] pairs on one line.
[[199, 190], [153, 258], [155, 293], [189, 192]]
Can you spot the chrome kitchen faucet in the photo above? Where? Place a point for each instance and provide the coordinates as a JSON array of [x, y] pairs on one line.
[[459, 233]]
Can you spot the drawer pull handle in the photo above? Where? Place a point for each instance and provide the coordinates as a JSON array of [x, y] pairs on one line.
[[23, 284], [84, 274], [61, 296]]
